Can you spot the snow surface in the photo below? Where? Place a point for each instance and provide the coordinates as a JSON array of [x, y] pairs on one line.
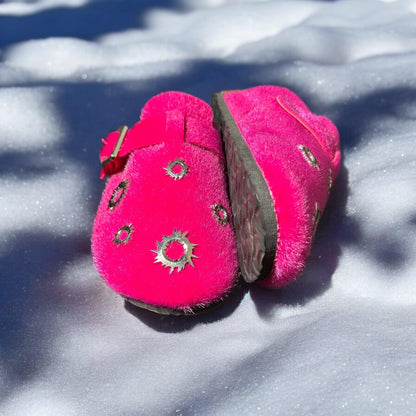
[[339, 341]]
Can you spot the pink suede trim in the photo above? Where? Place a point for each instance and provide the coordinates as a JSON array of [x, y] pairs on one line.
[[155, 204], [275, 122]]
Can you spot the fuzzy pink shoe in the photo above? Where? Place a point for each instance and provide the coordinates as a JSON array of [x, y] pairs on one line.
[[163, 235], [282, 160]]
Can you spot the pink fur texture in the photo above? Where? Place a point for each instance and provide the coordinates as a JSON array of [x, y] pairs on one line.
[[152, 205], [275, 124]]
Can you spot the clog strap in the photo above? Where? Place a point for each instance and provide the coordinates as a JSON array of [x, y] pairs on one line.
[[172, 128], [322, 129], [199, 127], [120, 143]]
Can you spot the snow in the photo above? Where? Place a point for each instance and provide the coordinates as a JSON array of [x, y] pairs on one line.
[[339, 341]]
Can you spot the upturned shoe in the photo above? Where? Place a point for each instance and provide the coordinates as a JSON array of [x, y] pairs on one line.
[[163, 235], [282, 161]]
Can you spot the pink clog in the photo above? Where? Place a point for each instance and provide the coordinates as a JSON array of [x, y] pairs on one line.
[[282, 160], [163, 235]]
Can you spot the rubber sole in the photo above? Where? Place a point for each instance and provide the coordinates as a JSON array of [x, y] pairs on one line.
[[253, 210], [162, 310]]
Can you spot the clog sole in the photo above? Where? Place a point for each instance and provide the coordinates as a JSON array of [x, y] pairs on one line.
[[251, 202]]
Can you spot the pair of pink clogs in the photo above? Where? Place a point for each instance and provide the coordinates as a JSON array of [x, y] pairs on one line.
[[166, 236]]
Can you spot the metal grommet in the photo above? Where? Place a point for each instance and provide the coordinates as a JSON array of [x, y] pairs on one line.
[[220, 214], [117, 194], [123, 235], [177, 175], [308, 155], [330, 180], [316, 217], [180, 262]]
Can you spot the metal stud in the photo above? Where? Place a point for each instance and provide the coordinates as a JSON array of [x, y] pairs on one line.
[[330, 180], [220, 214], [177, 175], [308, 155], [182, 261], [117, 194], [316, 217], [123, 235]]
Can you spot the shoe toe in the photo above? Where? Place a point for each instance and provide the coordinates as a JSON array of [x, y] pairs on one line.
[[163, 232]]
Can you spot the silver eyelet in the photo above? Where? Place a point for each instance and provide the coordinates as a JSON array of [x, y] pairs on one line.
[[316, 217], [330, 180], [177, 175], [308, 155], [120, 238], [181, 262], [118, 194], [220, 214]]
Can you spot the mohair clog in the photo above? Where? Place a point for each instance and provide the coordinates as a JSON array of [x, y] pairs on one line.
[[282, 160], [163, 235]]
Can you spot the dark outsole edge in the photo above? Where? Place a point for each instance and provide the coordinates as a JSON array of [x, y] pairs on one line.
[[251, 203], [163, 310]]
